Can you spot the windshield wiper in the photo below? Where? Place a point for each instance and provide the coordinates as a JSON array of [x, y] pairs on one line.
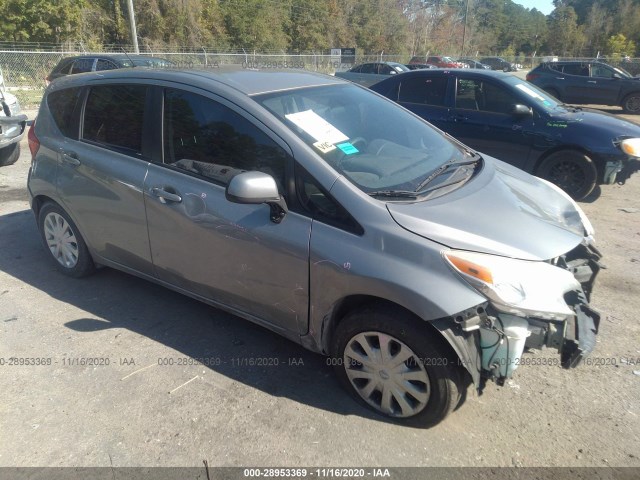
[[393, 193], [446, 166]]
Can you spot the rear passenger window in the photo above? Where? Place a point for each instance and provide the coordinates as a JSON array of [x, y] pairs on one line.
[[204, 137], [424, 90], [62, 104], [113, 117], [581, 70], [82, 65]]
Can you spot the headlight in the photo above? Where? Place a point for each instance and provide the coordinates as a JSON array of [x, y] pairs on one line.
[[520, 287], [631, 146]]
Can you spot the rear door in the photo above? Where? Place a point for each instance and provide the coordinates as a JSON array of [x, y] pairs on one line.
[[573, 82], [101, 174], [426, 96], [228, 253]]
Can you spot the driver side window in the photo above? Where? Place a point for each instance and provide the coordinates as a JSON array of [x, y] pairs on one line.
[[204, 137], [601, 71]]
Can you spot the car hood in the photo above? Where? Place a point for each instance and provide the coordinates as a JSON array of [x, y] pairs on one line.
[[502, 211], [616, 126]]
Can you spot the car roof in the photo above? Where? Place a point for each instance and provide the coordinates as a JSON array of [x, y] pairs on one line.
[[460, 72], [247, 81], [113, 56]]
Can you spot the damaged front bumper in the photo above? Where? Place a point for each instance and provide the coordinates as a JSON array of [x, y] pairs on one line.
[[491, 343]]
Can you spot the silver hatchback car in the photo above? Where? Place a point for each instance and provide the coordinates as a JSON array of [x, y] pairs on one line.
[[324, 212]]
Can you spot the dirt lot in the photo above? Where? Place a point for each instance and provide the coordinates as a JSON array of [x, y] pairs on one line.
[[135, 412]]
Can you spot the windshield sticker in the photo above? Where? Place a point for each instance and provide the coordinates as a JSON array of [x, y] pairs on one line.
[[547, 103], [532, 93], [317, 127], [324, 147], [347, 148]]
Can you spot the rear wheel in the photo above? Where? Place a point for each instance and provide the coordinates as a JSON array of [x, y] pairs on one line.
[[62, 239], [392, 363], [572, 171], [631, 103], [9, 154]]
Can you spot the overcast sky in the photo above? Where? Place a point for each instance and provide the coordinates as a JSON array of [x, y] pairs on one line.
[[544, 6]]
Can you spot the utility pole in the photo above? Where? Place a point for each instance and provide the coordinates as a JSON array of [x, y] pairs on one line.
[[464, 28], [132, 25]]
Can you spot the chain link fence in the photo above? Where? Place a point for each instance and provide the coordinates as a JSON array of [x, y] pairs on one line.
[[24, 71]]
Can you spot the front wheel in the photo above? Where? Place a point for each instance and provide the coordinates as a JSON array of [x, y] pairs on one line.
[[631, 104], [389, 361], [62, 239], [572, 171]]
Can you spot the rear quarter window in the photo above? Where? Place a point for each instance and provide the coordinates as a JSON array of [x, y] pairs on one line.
[[113, 117], [62, 104]]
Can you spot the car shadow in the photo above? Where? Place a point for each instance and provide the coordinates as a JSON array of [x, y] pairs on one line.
[[121, 301], [593, 196]]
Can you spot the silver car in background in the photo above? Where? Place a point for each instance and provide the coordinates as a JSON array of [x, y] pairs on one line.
[[321, 211]]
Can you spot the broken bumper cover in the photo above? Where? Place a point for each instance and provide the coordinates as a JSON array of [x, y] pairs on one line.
[[12, 129], [580, 336]]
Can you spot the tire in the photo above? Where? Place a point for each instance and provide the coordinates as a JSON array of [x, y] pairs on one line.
[[63, 241], [434, 389], [572, 171], [631, 103], [9, 154], [506, 69]]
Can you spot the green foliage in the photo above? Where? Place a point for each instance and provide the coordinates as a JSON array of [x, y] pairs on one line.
[[618, 44], [411, 27], [50, 21]]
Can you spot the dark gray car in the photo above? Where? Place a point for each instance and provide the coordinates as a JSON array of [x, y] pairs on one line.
[[324, 212]]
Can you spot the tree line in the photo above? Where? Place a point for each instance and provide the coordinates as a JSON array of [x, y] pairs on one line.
[[416, 27]]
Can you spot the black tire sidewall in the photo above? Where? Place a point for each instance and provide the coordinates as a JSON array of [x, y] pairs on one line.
[[84, 266], [444, 379], [580, 159], [626, 100]]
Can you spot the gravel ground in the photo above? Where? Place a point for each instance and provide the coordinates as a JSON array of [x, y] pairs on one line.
[[135, 412]]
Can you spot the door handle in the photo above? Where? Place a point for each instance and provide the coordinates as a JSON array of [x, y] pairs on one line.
[[559, 78], [71, 158], [165, 196], [591, 81]]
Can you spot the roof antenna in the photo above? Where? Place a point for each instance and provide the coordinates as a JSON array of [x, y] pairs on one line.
[[128, 57]]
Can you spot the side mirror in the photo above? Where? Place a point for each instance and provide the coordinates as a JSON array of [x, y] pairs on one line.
[[616, 76], [520, 110], [393, 72], [256, 188]]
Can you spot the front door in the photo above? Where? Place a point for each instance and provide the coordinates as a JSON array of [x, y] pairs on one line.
[[226, 252], [483, 119]]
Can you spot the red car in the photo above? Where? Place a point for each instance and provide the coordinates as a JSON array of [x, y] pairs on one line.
[[444, 62]]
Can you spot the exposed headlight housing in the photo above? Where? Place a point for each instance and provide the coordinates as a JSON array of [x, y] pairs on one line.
[[631, 146], [519, 287]]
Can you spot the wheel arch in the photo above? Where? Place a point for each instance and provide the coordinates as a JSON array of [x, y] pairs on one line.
[[464, 346], [575, 148]]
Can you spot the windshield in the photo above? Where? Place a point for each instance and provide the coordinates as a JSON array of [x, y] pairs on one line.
[[622, 72], [537, 95], [372, 141], [399, 67]]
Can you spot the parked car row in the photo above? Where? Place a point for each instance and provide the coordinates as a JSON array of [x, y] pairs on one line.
[[505, 117], [590, 82], [327, 213], [98, 63]]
